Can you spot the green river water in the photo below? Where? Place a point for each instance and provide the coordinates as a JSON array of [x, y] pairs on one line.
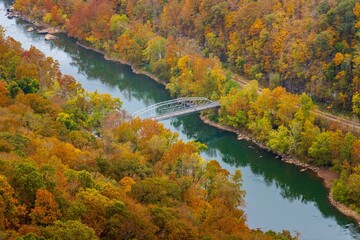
[[278, 195]]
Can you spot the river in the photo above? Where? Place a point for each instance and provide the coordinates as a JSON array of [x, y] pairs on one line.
[[278, 195]]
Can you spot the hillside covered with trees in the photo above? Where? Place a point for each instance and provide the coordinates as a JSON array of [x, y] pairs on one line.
[[194, 47], [73, 165], [306, 46]]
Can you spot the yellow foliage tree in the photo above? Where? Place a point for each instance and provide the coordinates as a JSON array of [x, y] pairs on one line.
[[257, 26], [356, 12], [338, 59], [127, 182]]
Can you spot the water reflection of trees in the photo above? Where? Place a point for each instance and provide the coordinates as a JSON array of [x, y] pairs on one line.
[[293, 184], [95, 68]]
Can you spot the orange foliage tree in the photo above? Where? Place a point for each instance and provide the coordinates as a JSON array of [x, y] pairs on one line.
[[46, 209]]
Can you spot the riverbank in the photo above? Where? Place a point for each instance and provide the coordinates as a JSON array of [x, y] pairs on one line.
[[241, 136], [46, 28], [325, 174], [133, 68], [40, 27]]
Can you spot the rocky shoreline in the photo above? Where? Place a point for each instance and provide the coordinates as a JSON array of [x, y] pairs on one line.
[[39, 27], [325, 174], [133, 68]]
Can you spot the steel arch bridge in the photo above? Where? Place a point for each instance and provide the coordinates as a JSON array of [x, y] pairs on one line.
[[175, 107]]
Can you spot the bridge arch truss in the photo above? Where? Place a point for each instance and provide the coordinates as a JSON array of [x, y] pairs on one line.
[[175, 107]]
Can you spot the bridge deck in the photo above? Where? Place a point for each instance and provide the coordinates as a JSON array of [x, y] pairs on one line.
[[175, 107], [186, 111]]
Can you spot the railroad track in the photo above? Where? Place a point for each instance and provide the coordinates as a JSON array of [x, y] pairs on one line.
[[351, 125]]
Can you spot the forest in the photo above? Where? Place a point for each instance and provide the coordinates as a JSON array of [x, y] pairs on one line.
[[303, 45], [302, 51], [74, 165]]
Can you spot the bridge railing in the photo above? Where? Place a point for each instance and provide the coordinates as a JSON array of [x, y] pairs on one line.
[[175, 107]]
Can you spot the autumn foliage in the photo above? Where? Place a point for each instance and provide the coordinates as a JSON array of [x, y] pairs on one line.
[[69, 171], [309, 47], [304, 46]]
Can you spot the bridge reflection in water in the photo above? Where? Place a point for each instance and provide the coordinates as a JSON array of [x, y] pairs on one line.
[[175, 107]]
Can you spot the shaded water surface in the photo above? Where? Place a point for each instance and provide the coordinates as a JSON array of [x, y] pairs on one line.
[[278, 195]]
